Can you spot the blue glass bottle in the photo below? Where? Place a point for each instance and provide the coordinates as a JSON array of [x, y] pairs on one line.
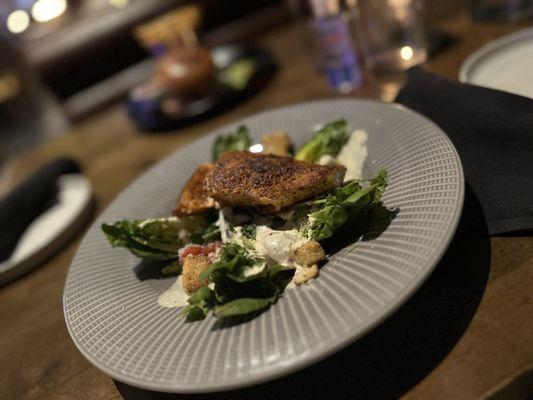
[[339, 59]]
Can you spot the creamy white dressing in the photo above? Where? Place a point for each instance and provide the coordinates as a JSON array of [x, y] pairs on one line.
[[277, 245], [238, 237], [183, 235], [149, 220], [353, 154], [174, 296], [222, 226], [254, 270]]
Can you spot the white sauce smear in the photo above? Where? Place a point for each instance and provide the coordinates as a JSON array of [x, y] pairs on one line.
[[174, 296], [353, 154], [276, 245]]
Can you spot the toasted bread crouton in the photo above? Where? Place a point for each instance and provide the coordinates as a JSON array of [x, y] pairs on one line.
[[303, 275], [194, 199], [193, 265], [308, 253], [277, 143]]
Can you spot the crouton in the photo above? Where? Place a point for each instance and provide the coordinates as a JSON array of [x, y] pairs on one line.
[[193, 266], [303, 275], [308, 253], [277, 143]]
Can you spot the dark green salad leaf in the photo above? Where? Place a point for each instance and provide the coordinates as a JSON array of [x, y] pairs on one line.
[[174, 268], [326, 141], [207, 235], [326, 216], [236, 290], [200, 302], [242, 306], [239, 141], [157, 238], [233, 262], [211, 233]]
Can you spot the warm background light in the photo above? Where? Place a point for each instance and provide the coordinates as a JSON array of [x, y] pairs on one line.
[[119, 3], [46, 10], [406, 53], [18, 21]]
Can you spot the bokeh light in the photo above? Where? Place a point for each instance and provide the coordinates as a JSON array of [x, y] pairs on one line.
[[406, 53], [119, 3], [46, 10], [18, 21]]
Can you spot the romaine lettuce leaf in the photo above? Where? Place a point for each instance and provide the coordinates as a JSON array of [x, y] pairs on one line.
[[173, 268], [242, 306], [209, 234], [326, 216], [239, 141], [326, 141], [200, 302], [158, 238], [233, 262]]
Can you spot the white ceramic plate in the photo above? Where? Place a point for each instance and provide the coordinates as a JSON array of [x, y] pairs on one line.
[[115, 321], [504, 64]]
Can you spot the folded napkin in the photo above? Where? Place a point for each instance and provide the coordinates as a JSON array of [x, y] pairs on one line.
[[27, 201], [493, 133]]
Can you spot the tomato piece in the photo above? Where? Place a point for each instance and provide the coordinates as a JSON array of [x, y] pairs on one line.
[[196, 249]]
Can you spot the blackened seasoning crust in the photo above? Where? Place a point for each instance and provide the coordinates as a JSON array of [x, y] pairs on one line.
[[269, 182]]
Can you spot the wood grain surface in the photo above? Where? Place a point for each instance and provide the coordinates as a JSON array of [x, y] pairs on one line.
[[493, 348]]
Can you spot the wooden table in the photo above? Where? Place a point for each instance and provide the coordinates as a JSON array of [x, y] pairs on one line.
[[492, 349]]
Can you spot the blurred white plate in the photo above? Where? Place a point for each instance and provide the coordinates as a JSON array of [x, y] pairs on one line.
[[52, 229], [504, 64]]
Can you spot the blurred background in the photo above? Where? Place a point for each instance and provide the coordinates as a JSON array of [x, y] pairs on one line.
[[64, 60]]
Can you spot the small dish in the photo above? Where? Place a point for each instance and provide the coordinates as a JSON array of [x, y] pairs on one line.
[[52, 229], [241, 72]]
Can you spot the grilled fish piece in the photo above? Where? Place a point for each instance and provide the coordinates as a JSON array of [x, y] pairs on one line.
[[267, 182], [194, 199]]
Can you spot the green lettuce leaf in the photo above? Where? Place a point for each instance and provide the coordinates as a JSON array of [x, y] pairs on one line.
[[234, 261], [326, 216], [243, 306], [239, 141], [158, 238], [200, 302], [326, 141], [173, 268], [209, 234]]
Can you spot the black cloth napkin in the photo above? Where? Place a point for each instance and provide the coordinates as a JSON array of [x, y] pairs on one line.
[[493, 133], [27, 201]]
